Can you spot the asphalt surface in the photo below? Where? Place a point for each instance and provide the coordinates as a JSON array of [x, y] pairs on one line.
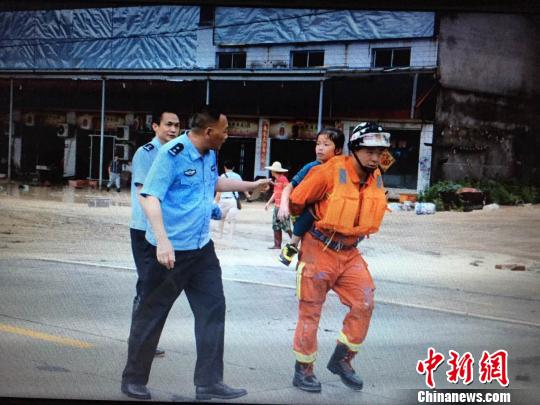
[[63, 331]]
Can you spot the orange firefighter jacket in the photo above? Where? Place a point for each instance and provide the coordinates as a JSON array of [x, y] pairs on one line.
[[343, 206]]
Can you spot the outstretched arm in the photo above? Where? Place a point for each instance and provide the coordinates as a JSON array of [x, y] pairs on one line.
[[225, 184]]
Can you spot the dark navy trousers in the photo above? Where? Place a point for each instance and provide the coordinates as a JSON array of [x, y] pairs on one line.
[[198, 273], [142, 251]]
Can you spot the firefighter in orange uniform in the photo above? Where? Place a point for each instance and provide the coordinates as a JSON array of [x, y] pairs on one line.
[[349, 203]]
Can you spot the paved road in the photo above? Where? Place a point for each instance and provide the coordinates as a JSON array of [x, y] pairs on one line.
[[63, 330]]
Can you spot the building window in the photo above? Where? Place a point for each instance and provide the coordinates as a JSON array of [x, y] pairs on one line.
[[304, 59], [231, 60], [206, 16], [391, 57]]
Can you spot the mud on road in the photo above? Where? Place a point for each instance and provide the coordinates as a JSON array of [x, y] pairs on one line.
[[41, 225]]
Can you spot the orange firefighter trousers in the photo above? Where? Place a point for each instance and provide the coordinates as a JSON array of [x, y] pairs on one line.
[[346, 273]]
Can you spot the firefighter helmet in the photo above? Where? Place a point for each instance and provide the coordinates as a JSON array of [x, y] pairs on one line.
[[369, 134]]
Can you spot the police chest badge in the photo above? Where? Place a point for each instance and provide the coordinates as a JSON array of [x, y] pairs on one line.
[[190, 172]]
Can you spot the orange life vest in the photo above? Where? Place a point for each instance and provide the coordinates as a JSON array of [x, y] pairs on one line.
[[354, 212]]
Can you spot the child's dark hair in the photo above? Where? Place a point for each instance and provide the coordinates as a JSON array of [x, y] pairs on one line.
[[335, 135]]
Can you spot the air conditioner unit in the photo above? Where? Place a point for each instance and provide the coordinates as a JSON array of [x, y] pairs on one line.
[[123, 152], [63, 131], [122, 133], [29, 119]]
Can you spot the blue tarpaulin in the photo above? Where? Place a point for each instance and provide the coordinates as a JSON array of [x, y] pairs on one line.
[[159, 37], [251, 26]]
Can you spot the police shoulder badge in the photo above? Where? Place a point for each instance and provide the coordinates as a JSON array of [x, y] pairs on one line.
[[148, 147], [176, 149]]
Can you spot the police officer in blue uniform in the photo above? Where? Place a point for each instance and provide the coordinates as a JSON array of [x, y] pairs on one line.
[[178, 201], [166, 126]]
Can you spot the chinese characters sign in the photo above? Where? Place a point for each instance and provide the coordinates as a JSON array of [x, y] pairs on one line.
[[491, 367]]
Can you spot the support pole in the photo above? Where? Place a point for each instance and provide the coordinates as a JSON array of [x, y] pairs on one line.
[[102, 133], [321, 92], [413, 99], [10, 130], [207, 91]]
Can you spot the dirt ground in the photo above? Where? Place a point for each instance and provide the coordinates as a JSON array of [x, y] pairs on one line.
[[59, 223]]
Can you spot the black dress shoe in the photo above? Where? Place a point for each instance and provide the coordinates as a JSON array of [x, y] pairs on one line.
[[159, 352], [138, 391], [218, 390]]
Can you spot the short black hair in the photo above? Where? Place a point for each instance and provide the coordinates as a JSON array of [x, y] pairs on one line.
[[204, 117], [228, 164], [335, 135], [158, 113]]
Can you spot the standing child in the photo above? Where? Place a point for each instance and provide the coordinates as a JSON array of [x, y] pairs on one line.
[[329, 144], [278, 225]]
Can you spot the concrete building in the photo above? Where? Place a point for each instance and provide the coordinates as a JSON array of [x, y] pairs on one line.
[[279, 74], [488, 101]]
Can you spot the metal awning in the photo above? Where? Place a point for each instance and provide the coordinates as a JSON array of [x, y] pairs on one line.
[[214, 74]]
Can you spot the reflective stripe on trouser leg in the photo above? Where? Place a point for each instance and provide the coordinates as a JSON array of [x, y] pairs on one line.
[[305, 358], [352, 346], [299, 269]]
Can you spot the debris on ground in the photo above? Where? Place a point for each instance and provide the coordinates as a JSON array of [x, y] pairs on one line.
[[512, 267]]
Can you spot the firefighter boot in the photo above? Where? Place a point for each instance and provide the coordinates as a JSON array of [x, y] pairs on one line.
[[277, 240], [340, 363], [304, 377], [288, 253]]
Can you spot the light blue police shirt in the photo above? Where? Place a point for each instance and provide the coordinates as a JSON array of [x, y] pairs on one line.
[[184, 181], [140, 166]]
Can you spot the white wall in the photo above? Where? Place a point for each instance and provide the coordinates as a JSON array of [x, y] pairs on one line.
[[206, 51], [352, 55]]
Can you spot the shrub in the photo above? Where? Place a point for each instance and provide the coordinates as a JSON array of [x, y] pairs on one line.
[[443, 193]]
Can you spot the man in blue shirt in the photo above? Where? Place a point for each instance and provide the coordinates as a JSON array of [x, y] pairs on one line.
[[177, 199], [166, 126]]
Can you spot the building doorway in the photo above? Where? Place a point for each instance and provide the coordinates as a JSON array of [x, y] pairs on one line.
[[404, 147], [241, 152], [293, 154]]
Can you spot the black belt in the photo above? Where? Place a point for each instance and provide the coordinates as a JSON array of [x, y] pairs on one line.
[[333, 244]]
